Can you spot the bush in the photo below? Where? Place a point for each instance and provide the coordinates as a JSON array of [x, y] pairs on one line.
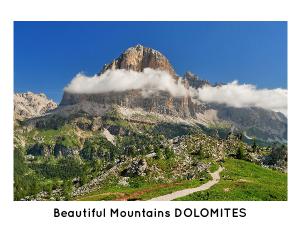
[[67, 189], [99, 147], [65, 168], [169, 153], [136, 182], [26, 182], [83, 179], [240, 154], [199, 154], [131, 150], [48, 187], [158, 152], [278, 155], [254, 145]]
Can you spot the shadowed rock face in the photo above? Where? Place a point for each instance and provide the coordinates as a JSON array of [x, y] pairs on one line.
[[259, 122], [161, 102]]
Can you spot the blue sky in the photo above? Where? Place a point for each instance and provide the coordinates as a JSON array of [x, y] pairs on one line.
[[47, 55]]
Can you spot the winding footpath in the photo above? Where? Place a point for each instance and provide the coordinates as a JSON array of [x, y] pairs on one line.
[[169, 197]]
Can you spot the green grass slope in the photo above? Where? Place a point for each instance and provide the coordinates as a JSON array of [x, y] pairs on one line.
[[142, 192], [245, 181]]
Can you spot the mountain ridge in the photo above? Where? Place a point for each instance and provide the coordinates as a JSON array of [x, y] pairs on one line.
[[255, 122], [28, 105]]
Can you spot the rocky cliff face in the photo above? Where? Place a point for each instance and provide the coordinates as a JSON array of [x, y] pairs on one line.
[[161, 102], [29, 105], [139, 57], [256, 122]]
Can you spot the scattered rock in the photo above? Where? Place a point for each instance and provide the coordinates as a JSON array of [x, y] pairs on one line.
[[124, 181], [151, 155], [137, 168], [109, 136]]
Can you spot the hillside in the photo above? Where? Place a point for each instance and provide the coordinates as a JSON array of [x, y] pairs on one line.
[[242, 180], [85, 154]]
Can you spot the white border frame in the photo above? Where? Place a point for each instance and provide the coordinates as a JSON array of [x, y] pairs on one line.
[[37, 216]]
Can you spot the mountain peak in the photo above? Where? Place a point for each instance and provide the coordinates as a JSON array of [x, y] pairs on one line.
[[138, 46], [28, 105], [138, 58]]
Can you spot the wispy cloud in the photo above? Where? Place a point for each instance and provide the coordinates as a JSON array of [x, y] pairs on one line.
[[245, 95]]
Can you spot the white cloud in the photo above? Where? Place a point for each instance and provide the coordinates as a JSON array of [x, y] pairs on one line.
[[232, 94], [122, 80], [245, 95]]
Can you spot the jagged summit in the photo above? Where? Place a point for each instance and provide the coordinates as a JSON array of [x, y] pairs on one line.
[[28, 105], [194, 80], [138, 58]]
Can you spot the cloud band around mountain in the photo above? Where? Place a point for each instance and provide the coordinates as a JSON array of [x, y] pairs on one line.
[[232, 94], [123, 80]]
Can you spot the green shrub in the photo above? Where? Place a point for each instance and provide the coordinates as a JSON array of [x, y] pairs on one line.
[[240, 154], [67, 189], [169, 153], [48, 187]]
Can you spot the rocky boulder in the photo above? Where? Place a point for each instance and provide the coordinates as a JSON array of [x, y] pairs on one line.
[[136, 168], [62, 150]]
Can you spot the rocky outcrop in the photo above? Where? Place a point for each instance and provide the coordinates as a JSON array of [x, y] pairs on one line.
[[137, 168], [62, 150], [40, 149], [138, 58], [194, 81], [160, 102], [29, 105]]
